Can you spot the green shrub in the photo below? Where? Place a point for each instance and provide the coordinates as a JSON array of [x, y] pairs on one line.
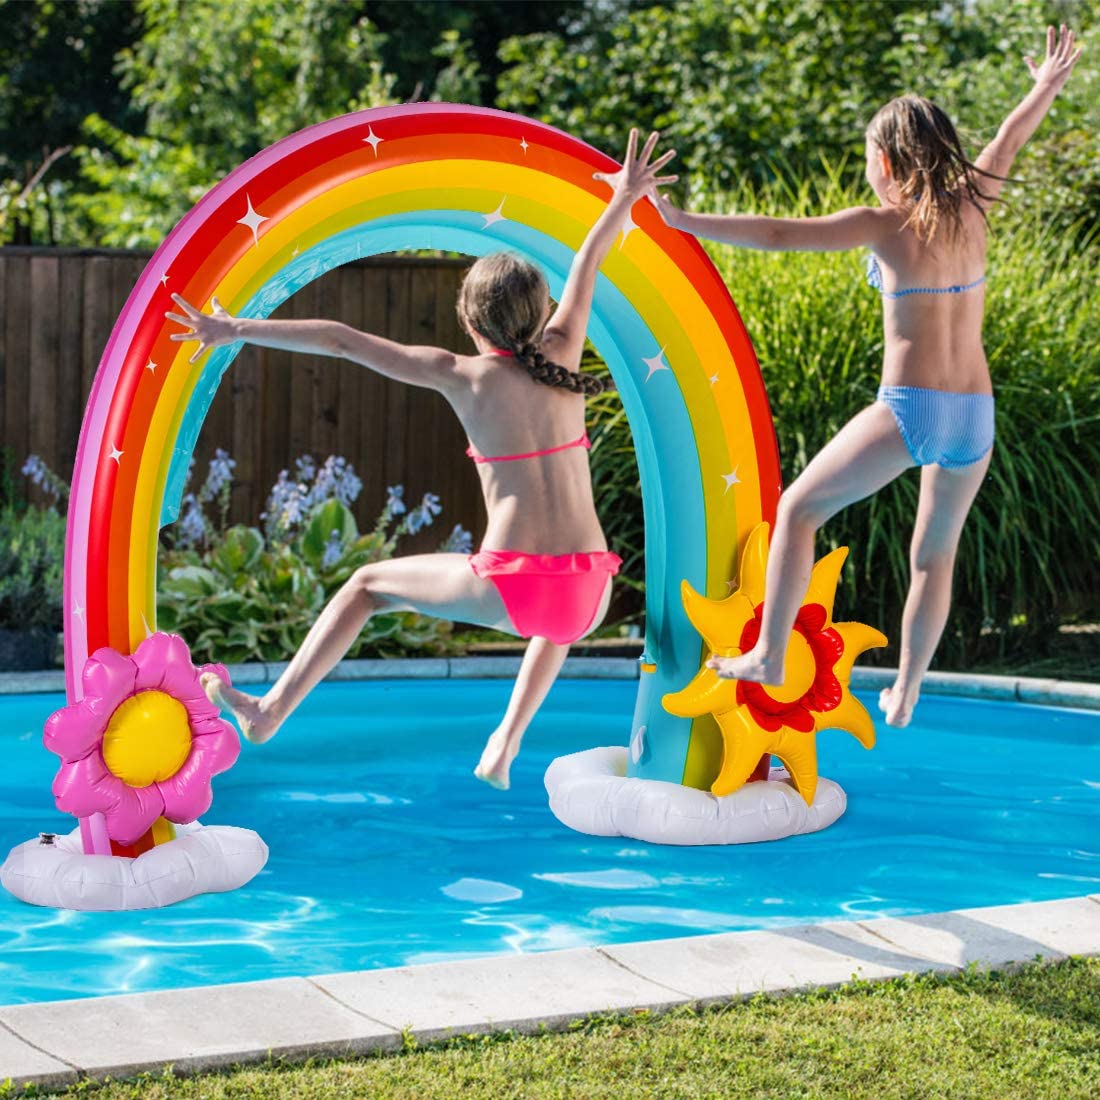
[[32, 555]]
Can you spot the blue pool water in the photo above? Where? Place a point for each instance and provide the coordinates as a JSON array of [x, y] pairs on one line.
[[385, 850]]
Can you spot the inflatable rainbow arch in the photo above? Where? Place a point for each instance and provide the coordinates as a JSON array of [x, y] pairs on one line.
[[462, 179]]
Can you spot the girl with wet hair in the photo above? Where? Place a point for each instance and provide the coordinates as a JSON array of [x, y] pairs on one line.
[[934, 409], [543, 570]]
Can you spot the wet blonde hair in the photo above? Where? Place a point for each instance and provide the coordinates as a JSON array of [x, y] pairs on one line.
[[927, 164], [505, 298]]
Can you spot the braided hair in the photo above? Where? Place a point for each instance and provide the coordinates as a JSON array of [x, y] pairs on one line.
[[505, 298], [927, 163]]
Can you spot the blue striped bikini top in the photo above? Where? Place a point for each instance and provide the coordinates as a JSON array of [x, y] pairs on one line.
[[874, 278]]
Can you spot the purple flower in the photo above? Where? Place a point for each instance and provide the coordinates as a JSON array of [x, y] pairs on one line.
[[421, 515], [287, 505], [334, 550], [349, 487], [219, 476], [306, 468], [336, 478], [42, 476], [293, 511], [192, 527], [395, 506], [459, 541]]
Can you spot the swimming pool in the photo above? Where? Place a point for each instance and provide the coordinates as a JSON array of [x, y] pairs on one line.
[[386, 851]]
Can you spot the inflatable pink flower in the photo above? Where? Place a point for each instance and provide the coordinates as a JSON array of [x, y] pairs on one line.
[[144, 741]]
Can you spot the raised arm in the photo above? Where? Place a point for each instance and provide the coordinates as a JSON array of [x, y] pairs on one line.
[[430, 367], [1049, 77], [563, 338], [856, 227]]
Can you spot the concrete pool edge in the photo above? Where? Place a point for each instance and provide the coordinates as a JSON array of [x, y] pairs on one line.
[[58, 1043], [1021, 689]]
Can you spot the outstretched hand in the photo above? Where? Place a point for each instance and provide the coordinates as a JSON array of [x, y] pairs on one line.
[[1059, 61], [638, 177], [669, 213], [211, 330]]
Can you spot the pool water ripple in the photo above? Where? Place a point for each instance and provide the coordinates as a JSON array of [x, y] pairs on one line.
[[386, 851]]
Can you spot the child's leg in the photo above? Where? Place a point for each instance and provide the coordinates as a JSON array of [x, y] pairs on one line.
[[441, 585], [541, 664], [866, 454], [945, 500]]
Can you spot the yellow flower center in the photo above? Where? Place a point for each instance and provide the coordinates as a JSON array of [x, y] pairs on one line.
[[147, 739], [800, 668]]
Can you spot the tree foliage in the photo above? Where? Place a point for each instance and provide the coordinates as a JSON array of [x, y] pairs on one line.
[[750, 90], [56, 62], [217, 83], [165, 97], [420, 36]]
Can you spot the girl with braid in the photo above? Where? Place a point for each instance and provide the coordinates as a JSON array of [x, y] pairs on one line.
[[935, 406], [543, 570]]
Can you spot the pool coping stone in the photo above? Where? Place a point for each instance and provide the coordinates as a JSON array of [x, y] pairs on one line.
[[1022, 689], [56, 1043]]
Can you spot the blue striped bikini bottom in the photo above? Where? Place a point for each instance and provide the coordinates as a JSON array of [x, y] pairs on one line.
[[941, 428]]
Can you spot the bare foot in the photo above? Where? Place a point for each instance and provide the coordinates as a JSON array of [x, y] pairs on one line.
[[748, 667], [247, 710], [897, 705], [495, 761]]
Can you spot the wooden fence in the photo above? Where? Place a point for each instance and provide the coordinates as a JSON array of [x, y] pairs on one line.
[[57, 309]]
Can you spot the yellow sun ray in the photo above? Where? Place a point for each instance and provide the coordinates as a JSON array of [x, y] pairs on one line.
[[823, 580], [857, 638], [798, 751], [706, 693], [717, 619], [852, 717], [754, 565], [745, 743]]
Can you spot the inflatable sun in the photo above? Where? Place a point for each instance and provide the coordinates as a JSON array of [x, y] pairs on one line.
[[784, 720]]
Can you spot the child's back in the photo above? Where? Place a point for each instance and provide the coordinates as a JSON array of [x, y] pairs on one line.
[[933, 304]]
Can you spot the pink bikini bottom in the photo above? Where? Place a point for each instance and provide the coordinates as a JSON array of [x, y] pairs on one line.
[[553, 596]]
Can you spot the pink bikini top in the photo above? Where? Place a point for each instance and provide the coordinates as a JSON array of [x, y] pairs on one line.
[[583, 441]]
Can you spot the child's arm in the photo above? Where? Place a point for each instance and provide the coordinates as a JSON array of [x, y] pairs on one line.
[[563, 338], [998, 155], [857, 227], [419, 366]]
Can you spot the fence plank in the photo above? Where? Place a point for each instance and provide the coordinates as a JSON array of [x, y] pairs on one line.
[[458, 486], [42, 364], [97, 317], [348, 302], [243, 383], [326, 380], [395, 434], [303, 369], [372, 396], [71, 395], [17, 339]]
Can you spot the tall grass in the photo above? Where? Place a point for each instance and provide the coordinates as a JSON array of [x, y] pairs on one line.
[[1030, 552]]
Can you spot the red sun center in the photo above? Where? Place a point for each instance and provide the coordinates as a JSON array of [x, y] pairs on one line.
[[823, 694]]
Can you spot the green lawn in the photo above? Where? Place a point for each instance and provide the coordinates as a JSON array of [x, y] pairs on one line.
[[1033, 1033]]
